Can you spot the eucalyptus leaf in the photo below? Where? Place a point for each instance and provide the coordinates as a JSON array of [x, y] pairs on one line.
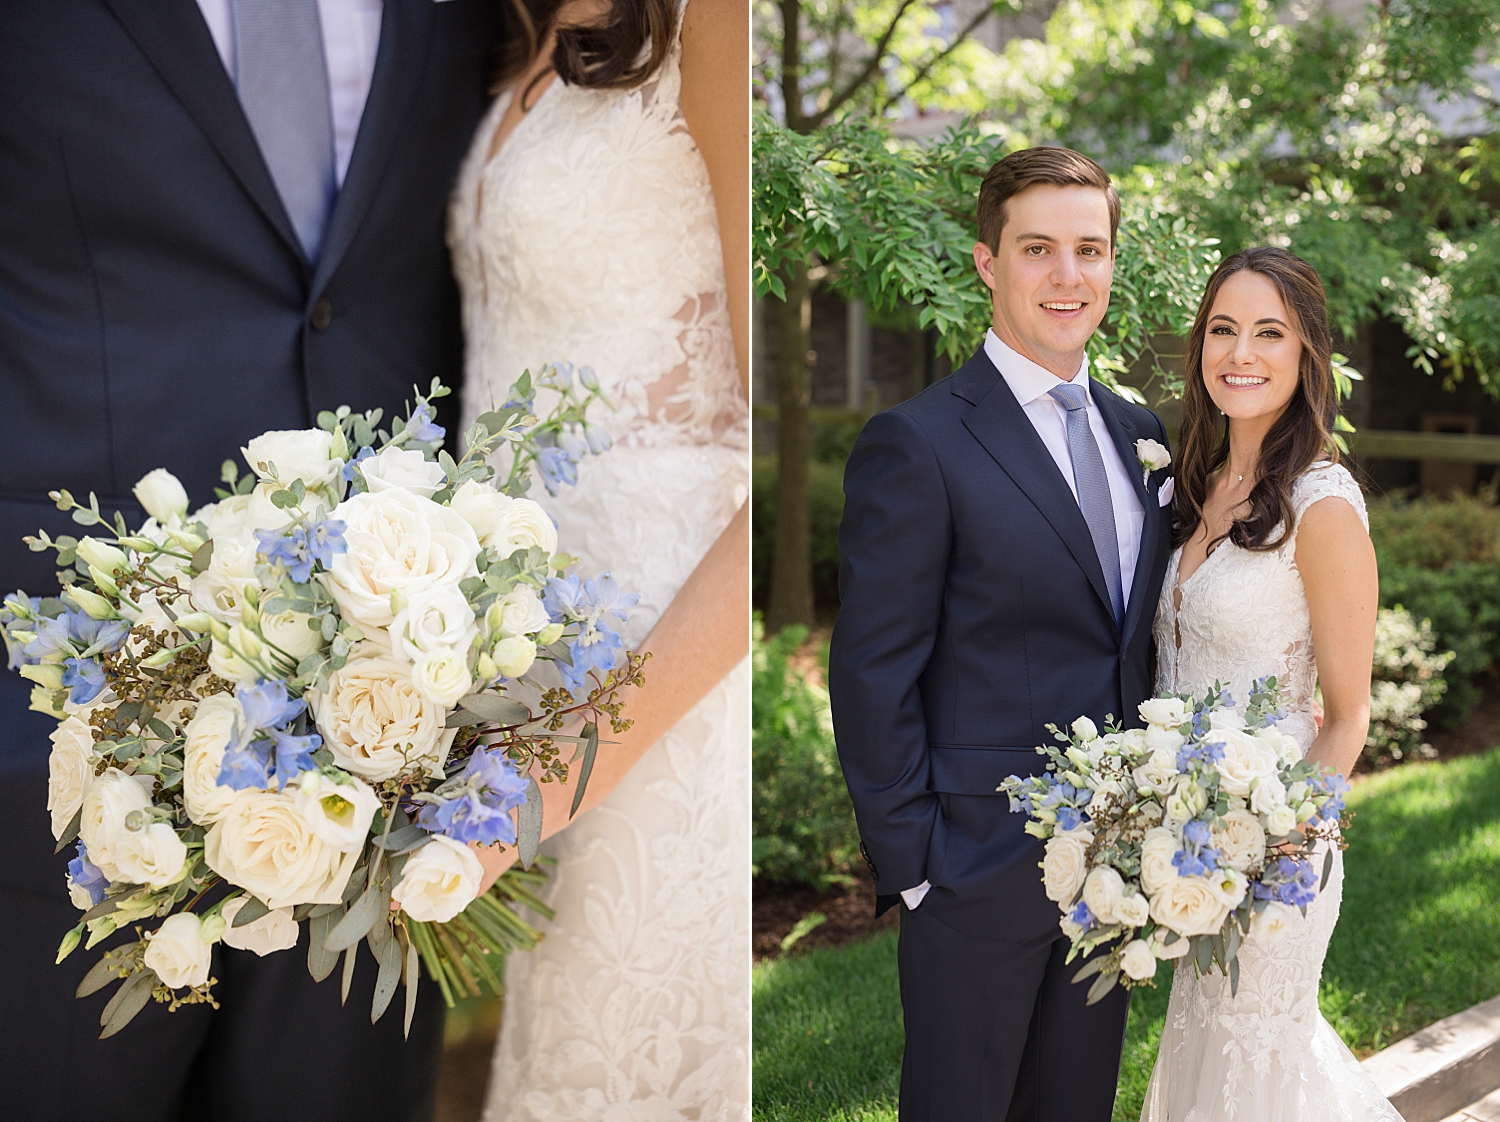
[[71, 832], [401, 840], [320, 960], [529, 824], [356, 921], [590, 748], [1101, 987], [128, 1000], [1234, 976], [388, 953], [202, 556], [348, 978], [99, 976], [412, 965], [1327, 869], [1090, 969], [495, 708], [250, 911]]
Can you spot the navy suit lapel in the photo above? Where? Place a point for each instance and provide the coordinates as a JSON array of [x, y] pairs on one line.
[[999, 423], [404, 32], [1122, 430], [173, 36]]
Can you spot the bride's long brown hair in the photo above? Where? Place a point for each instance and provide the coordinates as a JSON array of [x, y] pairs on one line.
[[618, 53], [1302, 434]]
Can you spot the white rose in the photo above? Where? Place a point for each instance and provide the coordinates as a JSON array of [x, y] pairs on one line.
[[1063, 867], [437, 617], [220, 589], [107, 802], [70, 769], [1189, 906], [1271, 925], [1133, 742], [339, 813], [1133, 911], [440, 880], [1178, 948], [1246, 759], [161, 495], [403, 469], [398, 542], [1158, 773], [479, 505], [520, 525], [154, 855], [1165, 712], [1281, 821], [442, 676], [376, 722], [177, 952], [288, 631], [1240, 840], [1085, 729], [1151, 455], [514, 656], [1158, 848], [305, 454], [1226, 719], [1160, 739], [274, 931], [519, 612], [1268, 795], [262, 843], [1287, 750], [214, 726], [1138, 962], [1102, 891]]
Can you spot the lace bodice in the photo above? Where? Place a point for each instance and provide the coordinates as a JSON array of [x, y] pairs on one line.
[[1244, 615], [591, 238]]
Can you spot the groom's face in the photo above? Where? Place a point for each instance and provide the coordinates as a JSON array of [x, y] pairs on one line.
[[1049, 276]]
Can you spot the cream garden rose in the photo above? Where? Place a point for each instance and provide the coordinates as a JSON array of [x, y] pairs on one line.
[[442, 676], [1245, 761], [1271, 925], [402, 469], [70, 769], [518, 612], [107, 802], [440, 880], [153, 855], [1189, 906], [375, 720], [178, 953], [1134, 910], [272, 932], [215, 725], [1103, 890], [1158, 848], [288, 632], [220, 589], [1137, 961], [502, 523], [1240, 840], [263, 843], [305, 454], [1168, 712], [1063, 866]]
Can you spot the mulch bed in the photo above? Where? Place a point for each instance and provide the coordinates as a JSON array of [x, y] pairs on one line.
[[850, 912]]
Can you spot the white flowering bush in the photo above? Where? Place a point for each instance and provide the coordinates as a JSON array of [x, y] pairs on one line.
[[1407, 681], [318, 693], [1181, 839]]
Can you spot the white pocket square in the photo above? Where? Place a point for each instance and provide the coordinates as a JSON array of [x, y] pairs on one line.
[[1164, 496]]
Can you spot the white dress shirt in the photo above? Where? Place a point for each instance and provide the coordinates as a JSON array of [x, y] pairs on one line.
[[1031, 385], [351, 35]]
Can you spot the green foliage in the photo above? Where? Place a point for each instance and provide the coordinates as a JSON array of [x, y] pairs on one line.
[[1436, 533], [825, 508], [1407, 681], [804, 830], [1463, 603]]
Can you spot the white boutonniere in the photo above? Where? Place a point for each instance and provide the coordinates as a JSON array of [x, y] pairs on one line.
[[1152, 457]]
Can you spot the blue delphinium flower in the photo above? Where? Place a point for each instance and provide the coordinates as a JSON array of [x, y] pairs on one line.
[[14, 648], [298, 548], [479, 809], [86, 875], [351, 467], [1197, 857], [247, 766], [588, 378], [599, 440], [85, 678], [52, 639], [556, 468], [558, 375], [1082, 916], [1068, 818], [423, 427], [267, 748], [569, 600], [326, 538]]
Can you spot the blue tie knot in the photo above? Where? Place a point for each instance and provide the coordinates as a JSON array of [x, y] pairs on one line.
[[1069, 396]]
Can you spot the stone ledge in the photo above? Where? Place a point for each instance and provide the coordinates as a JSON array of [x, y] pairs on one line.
[[1440, 1070]]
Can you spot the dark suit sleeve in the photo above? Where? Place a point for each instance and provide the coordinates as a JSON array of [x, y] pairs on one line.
[[893, 548]]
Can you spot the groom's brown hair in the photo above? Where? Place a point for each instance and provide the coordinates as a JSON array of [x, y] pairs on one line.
[[1061, 167]]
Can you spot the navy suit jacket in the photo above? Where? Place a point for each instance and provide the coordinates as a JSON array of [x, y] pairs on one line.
[[156, 307], [974, 612]]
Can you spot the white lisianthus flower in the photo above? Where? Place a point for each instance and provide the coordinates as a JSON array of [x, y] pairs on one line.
[[376, 722], [1063, 867], [1226, 719], [101, 555], [1305, 812], [518, 612], [1181, 806], [70, 769], [1287, 750], [79, 896], [502, 523], [1230, 884], [1271, 925], [1178, 948], [155, 856], [1133, 911], [1085, 729], [1069, 928], [442, 676], [338, 812], [1102, 892], [1158, 848], [1164, 712], [162, 495], [1160, 739], [107, 802], [177, 952], [1189, 906], [224, 657], [272, 932], [1158, 773], [398, 542], [288, 631], [305, 454], [1245, 761], [1281, 821], [1267, 795], [1240, 840], [403, 469], [514, 656], [1137, 962], [440, 880], [436, 617], [220, 589], [214, 726], [264, 844], [1133, 742]]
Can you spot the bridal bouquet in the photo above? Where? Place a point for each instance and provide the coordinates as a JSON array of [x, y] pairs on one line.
[[318, 692], [1183, 838]]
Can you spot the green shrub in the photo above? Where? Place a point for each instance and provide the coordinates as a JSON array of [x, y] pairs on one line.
[[825, 508], [1463, 603], [804, 830], [1433, 533], [1407, 682]]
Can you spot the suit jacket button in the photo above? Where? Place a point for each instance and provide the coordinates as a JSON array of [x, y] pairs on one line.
[[322, 314]]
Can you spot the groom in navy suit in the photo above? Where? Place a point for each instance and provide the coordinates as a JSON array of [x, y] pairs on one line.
[[217, 217], [1002, 553]]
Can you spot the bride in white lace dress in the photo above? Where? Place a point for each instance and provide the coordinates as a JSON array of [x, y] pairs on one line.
[[1274, 564], [584, 229]]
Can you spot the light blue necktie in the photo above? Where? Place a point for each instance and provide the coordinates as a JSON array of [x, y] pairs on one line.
[[1093, 489], [282, 78]]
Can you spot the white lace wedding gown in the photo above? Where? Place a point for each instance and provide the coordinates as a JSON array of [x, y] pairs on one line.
[[591, 238], [1264, 1054]]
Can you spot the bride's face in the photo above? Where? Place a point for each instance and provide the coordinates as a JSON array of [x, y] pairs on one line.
[[1251, 351]]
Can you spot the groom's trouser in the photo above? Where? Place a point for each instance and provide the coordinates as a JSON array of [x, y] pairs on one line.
[[996, 1031], [279, 1047]]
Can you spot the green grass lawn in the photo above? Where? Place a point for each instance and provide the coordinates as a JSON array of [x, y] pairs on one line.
[[1419, 939]]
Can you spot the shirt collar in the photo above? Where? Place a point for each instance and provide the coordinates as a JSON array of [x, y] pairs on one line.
[[1026, 379]]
